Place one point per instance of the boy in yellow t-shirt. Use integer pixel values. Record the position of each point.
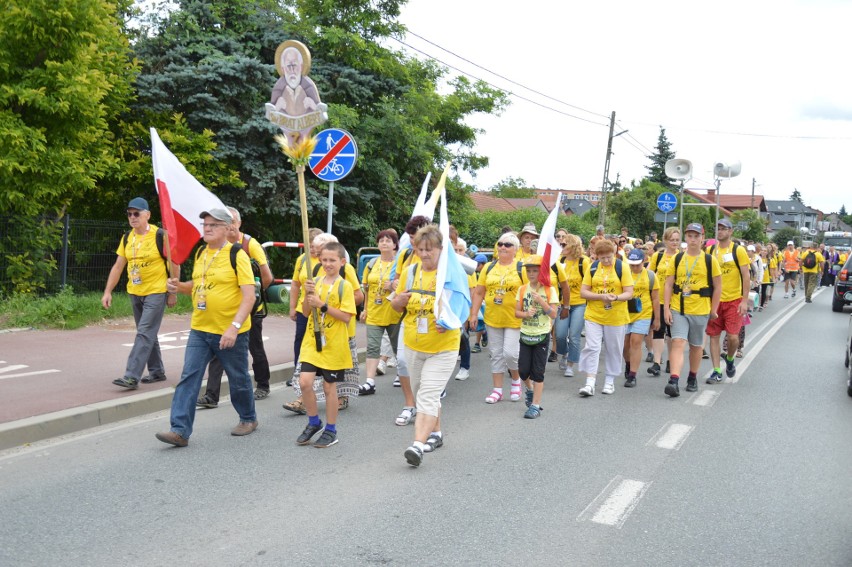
(326, 352)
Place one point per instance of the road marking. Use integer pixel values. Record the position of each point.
(673, 436)
(706, 398)
(622, 500)
(12, 367)
(34, 373)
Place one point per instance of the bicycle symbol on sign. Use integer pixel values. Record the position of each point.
(333, 167)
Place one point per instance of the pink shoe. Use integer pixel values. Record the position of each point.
(494, 397)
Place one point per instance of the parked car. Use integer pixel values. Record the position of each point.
(848, 298)
(842, 284)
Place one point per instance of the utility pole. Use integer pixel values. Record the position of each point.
(605, 181)
(753, 183)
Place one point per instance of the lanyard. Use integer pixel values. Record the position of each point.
(327, 296)
(423, 297)
(383, 267)
(133, 244)
(690, 270)
(207, 267)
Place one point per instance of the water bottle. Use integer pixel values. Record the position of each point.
(256, 291)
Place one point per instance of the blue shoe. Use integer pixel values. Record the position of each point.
(532, 412)
(528, 395)
(310, 431)
(730, 369)
(715, 378)
(476, 348)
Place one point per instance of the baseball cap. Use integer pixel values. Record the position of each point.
(636, 256)
(751, 248)
(138, 203)
(218, 214)
(534, 260)
(790, 243)
(480, 258)
(696, 227)
(726, 223)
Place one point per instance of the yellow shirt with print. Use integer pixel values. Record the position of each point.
(422, 336)
(606, 281)
(660, 262)
(767, 276)
(501, 287)
(379, 310)
(571, 268)
(142, 254)
(300, 274)
(641, 290)
(819, 260)
(732, 283)
(351, 276)
(214, 280)
(696, 266)
(335, 354)
(541, 323)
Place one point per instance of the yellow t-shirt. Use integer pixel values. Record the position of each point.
(255, 251)
(696, 267)
(471, 280)
(641, 290)
(501, 287)
(216, 287)
(541, 323)
(819, 260)
(606, 281)
(379, 310)
(336, 354)
(767, 275)
(146, 269)
(300, 274)
(575, 279)
(660, 262)
(423, 336)
(732, 283)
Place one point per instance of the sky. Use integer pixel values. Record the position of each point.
(763, 83)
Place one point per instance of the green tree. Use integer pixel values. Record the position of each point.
(662, 153)
(749, 225)
(512, 188)
(796, 196)
(782, 236)
(636, 208)
(842, 212)
(66, 75)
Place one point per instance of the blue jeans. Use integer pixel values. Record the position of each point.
(200, 349)
(568, 332)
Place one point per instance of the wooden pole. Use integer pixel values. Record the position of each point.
(303, 201)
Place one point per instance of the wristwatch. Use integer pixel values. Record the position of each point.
(237, 325)
(324, 307)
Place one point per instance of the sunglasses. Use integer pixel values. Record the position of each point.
(505, 244)
(133, 213)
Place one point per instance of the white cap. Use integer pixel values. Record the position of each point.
(790, 243)
(750, 248)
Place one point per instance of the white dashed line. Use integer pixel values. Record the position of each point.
(706, 398)
(622, 500)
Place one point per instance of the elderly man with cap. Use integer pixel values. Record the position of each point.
(736, 283)
(222, 290)
(143, 251)
(693, 289)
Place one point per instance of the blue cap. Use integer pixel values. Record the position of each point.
(480, 258)
(636, 256)
(138, 203)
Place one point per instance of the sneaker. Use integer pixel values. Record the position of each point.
(172, 438)
(414, 456)
(730, 369)
(261, 394)
(484, 341)
(608, 389)
(289, 383)
(207, 401)
(532, 412)
(528, 396)
(433, 443)
(704, 355)
(396, 383)
(310, 431)
(569, 372)
(244, 428)
(125, 382)
(391, 363)
(552, 356)
(587, 391)
(630, 382)
(654, 369)
(672, 390)
(476, 348)
(381, 368)
(715, 378)
(463, 374)
(327, 439)
(296, 406)
(691, 384)
(149, 379)
(650, 357)
(366, 389)
(786, 295)
(563, 362)
(794, 293)
(668, 367)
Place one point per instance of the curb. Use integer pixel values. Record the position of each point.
(40, 427)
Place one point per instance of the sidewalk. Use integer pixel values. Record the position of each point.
(58, 382)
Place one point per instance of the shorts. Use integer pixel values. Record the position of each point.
(639, 327)
(329, 376)
(729, 319)
(664, 331)
(689, 327)
(374, 339)
(790, 275)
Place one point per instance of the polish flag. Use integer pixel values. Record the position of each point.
(182, 200)
(548, 248)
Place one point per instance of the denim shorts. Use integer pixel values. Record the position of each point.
(639, 327)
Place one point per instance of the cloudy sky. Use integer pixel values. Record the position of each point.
(766, 83)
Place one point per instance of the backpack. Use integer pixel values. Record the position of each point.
(412, 270)
(160, 238)
(259, 309)
(810, 261)
(634, 305)
(519, 267)
(704, 291)
(736, 260)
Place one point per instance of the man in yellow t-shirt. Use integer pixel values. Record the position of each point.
(812, 263)
(142, 251)
(691, 298)
(222, 299)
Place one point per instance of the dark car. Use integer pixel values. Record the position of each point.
(842, 284)
(849, 350)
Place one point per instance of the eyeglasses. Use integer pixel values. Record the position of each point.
(212, 225)
(133, 213)
(505, 244)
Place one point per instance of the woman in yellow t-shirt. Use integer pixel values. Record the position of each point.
(430, 349)
(569, 325)
(497, 286)
(770, 272)
(659, 264)
(642, 318)
(607, 316)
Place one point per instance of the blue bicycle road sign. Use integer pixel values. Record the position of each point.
(335, 155)
(667, 202)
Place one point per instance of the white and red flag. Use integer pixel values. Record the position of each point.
(548, 248)
(182, 200)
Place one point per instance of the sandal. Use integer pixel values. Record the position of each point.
(396, 383)
(407, 416)
(494, 397)
(296, 406)
(739, 353)
(515, 392)
(433, 443)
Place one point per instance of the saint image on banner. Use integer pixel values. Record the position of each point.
(295, 104)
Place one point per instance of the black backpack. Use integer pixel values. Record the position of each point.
(809, 261)
(160, 237)
(704, 291)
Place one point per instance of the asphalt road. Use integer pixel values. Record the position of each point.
(752, 472)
